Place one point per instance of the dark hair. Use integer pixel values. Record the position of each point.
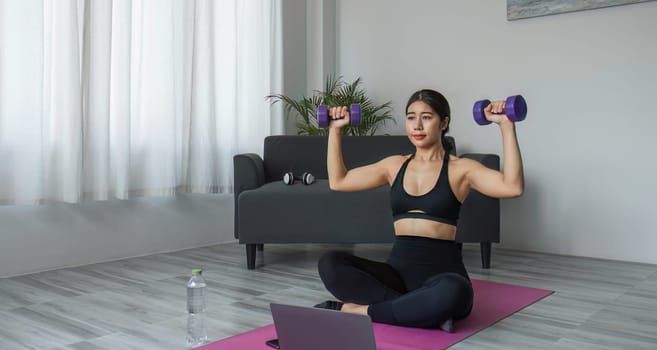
(438, 103)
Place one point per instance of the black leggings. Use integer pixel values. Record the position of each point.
(423, 283)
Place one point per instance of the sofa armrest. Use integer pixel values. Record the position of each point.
(248, 173)
(479, 219)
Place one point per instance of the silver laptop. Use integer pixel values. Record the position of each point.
(306, 328)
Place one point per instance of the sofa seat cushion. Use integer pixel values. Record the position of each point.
(279, 213)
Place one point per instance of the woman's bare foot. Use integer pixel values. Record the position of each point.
(355, 308)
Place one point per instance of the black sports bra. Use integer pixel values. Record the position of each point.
(439, 204)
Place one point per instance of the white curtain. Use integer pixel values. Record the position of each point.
(118, 98)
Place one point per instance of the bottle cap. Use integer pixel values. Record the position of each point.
(197, 272)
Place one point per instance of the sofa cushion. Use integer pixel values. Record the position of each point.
(308, 153)
(279, 213)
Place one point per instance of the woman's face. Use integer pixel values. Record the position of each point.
(423, 124)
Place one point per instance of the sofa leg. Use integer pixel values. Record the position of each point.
(261, 247)
(485, 254)
(250, 256)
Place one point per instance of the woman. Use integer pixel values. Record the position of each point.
(424, 282)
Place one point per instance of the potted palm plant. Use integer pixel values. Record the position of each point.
(337, 92)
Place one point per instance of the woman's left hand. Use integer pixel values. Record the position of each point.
(494, 112)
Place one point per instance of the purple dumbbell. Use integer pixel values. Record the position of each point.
(515, 108)
(323, 115)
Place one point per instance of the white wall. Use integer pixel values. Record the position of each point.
(309, 48)
(294, 52)
(37, 238)
(590, 79)
(320, 43)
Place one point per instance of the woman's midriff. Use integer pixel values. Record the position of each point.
(425, 228)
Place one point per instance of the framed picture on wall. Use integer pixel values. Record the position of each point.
(519, 9)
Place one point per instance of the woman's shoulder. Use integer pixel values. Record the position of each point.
(463, 165)
(396, 159)
(394, 162)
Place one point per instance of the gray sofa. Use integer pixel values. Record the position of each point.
(268, 211)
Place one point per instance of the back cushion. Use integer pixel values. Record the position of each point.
(300, 154)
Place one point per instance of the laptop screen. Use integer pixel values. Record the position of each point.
(305, 328)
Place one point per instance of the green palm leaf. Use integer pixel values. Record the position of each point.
(336, 92)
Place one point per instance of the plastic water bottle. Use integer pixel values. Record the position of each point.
(196, 334)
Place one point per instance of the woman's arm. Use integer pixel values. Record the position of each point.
(357, 179)
(510, 182)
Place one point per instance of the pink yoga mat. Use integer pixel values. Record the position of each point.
(492, 302)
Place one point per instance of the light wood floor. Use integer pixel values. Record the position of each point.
(140, 303)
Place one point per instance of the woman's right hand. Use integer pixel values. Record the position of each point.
(339, 117)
